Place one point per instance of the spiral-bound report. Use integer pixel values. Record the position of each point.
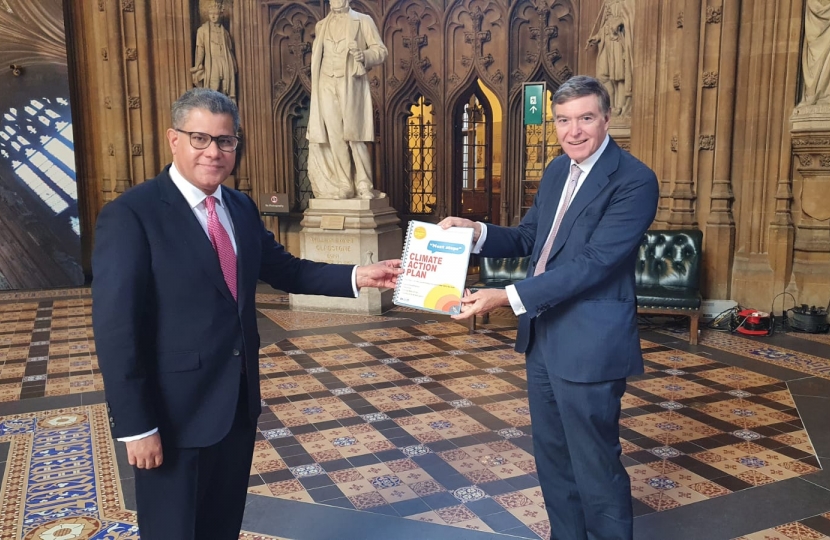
(434, 264)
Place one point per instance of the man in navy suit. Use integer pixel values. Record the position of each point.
(175, 266)
(577, 311)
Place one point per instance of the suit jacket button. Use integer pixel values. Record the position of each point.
(236, 352)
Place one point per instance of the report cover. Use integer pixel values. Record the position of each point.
(434, 264)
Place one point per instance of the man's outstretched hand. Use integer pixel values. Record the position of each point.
(383, 274)
(481, 302)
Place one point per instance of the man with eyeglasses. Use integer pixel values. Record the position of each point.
(175, 269)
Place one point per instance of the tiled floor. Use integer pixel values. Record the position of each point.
(395, 417)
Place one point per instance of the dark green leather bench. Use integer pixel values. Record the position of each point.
(668, 275)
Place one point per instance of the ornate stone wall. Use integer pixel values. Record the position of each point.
(713, 91)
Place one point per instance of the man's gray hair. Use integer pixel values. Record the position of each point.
(205, 99)
(581, 86)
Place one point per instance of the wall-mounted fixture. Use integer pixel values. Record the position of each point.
(17, 71)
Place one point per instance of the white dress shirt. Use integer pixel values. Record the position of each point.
(586, 166)
(195, 197)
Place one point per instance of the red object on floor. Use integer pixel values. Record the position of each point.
(752, 322)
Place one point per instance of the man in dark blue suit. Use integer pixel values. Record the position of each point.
(175, 267)
(577, 311)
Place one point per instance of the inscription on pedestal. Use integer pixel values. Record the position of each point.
(332, 248)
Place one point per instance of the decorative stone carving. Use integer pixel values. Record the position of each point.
(134, 102)
(799, 142)
(435, 80)
(824, 160)
(131, 54)
(214, 66)
(393, 82)
(805, 159)
(710, 79)
(105, 55)
(713, 14)
(101, 5)
(565, 73)
(128, 5)
(680, 20)
(675, 81)
(611, 35)
(136, 149)
(518, 76)
(707, 142)
(674, 143)
(107, 102)
(815, 65)
(110, 150)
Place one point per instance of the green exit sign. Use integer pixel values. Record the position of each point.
(534, 110)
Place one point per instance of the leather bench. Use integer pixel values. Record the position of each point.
(668, 275)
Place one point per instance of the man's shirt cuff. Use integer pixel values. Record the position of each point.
(354, 282)
(478, 245)
(515, 301)
(137, 437)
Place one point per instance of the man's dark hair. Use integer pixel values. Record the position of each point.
(205, 99)
(581, 86)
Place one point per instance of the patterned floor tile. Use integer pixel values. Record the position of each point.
(764, 352)
(299, 320)
(389, 416)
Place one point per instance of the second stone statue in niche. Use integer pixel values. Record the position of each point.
(346, 45)
(215, 65)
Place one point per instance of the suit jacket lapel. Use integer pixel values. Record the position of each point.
(596, 181)
(189, 232)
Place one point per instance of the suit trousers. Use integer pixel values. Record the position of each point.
(199, 493)
(576, 444)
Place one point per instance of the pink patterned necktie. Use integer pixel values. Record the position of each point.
(222, 244)
(569, 192)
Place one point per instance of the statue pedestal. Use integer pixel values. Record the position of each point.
(349, 231)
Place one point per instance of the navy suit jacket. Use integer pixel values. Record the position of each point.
(170, 338)
(584, 304)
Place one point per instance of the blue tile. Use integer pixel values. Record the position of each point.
(499, 487)
(325, 494)
(427, 460)
(441, 446)
(390, 455)
(440, 500)
(521, 532)
(384, 509)
(410, 507)
(296, 461)
(502, 521)
(524, 481)
(342, 502)
(336, 465)
(318, 481)
(362, 461)
(485, 507)
(452, 481)
(438, 470)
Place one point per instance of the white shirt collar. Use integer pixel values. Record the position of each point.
(192, 194)
(589, 162)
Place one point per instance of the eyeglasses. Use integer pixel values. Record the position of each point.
(200, 141)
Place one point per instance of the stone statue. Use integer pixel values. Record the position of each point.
(612, 37)
(215, 65)
(816, 55)
(346, 45)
